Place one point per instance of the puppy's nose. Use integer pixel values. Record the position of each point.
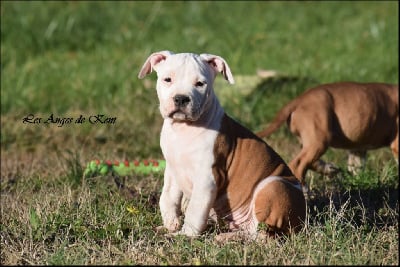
(181, 101)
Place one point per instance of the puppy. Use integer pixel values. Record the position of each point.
(220, 166)
(346, 115)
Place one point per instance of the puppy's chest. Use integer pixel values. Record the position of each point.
(189, 153)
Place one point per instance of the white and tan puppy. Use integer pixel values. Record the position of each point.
(345, 115)
(220, 166)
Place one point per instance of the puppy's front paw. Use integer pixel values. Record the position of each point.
(168, 228)
(179, 233)
(188, 231)
(172, 225)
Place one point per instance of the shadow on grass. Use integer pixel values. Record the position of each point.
(290, 86)
(267, 97)
(370, 207)
(370, 198)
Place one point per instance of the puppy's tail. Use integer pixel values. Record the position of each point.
(282, 116)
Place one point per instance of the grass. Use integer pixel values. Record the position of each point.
(82, 58)
(90, 224)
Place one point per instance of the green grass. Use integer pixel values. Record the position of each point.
(82, 58)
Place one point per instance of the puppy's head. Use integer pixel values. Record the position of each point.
(185, 82)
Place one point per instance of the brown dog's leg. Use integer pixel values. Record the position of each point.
(304, 160)
(311, 125)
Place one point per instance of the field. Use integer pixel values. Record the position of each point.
(65, 60)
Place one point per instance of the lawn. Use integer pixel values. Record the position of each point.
(65, 60)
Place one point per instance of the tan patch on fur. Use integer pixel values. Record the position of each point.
(242, 160)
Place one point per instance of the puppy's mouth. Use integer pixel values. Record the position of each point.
(181, 115)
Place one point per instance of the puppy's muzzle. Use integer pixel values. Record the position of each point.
(182, 108)
(181, 101)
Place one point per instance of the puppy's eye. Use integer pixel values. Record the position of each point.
(199, 84)
(167, 80)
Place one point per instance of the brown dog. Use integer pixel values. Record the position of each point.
(346, 115)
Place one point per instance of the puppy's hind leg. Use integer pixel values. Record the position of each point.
(281, 206)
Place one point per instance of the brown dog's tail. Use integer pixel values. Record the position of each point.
(282, 116)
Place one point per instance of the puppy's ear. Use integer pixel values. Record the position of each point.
(219, 65)
(153, 60)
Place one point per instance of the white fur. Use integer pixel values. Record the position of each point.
(188, 151)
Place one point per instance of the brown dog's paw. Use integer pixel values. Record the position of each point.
(325, 168)
(331, 170)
